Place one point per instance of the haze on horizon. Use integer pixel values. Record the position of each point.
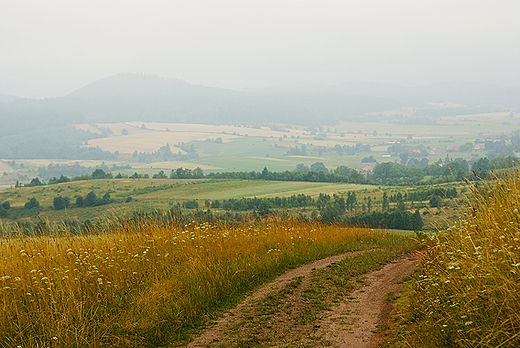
(50, 48)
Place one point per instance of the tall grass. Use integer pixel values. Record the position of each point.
(148, 284)
(467, 292)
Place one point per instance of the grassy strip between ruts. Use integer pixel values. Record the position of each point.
(151, 284)
(467, 291)
(292, 314)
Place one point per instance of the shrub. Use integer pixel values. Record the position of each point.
(60, 203)
(33, 203)
(192, 204)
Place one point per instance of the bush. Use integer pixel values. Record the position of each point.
(193, 204)
(60, 203)
(91, 199)
(33, 203)
(80, 201)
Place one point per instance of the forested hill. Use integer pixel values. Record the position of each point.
(4, 98)
(148, 98)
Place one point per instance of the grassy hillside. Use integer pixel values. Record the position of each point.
(149, 194)
(151, 283)
(130, 195)
(466, 293)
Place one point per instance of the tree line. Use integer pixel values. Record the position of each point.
(387, 173)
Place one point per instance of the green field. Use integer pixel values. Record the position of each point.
(261, 148)
(150, 194)
(131, 195)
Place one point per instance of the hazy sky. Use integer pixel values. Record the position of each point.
(50, 48)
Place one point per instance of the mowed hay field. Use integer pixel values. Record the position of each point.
(148, 137)
(151, 282)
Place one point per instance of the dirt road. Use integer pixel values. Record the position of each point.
(350, 323)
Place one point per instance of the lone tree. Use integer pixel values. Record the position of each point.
(435, 201)
(106, 199)
(99, 174)
(80, 201)
(159, 175)
(385, 205)
(35, 182)
(417, 221)
(91, 199)
(318, 167)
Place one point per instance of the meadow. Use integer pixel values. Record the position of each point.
(153, 282)
(467, 291)
(150, 194)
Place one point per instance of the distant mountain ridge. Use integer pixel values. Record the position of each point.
(4, 98)
(138, 97)
(129, 84)
(149, 98)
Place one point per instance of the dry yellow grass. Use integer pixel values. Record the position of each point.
(467, 292)
(145, 283)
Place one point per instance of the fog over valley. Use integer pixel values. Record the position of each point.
(243, 85)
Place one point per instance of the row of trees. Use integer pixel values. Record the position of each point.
(398, 219)
(60, 203)
(90, 200)
(451, 170)
(96, 174)
(427, 193)
(332, 209)
(263, 204)
(384, 173)
(53, 171)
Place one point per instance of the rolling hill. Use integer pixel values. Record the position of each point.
(148, 98)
